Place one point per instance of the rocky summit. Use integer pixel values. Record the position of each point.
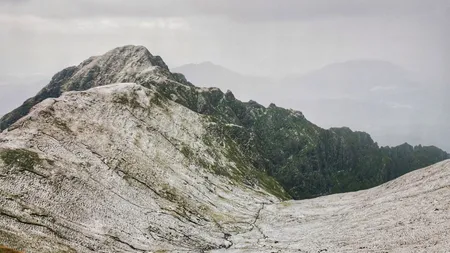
(118, 154)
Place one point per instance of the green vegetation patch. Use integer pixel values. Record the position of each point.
(272, 186)
(21, 158)
(187, 152)
(128, 100)
(158, 99)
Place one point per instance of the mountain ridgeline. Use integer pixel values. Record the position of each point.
(306, 160)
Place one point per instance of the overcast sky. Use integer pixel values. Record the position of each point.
(251, 36)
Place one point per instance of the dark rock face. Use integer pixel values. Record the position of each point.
(307, 160)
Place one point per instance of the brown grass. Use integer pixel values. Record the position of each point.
(4, 249)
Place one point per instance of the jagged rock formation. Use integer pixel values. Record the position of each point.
(159, 165)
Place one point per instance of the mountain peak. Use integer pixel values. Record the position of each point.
(126, 57)
(129, 48)
(130, 52)
(207, 63)
(120, 65)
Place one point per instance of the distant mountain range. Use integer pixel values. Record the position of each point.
(207, 74)
(366, 79)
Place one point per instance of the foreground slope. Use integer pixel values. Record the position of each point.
(409, 214)
(115, 169)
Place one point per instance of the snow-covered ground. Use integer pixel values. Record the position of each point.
(409, 214)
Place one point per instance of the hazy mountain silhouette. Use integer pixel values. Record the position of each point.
(208, 74)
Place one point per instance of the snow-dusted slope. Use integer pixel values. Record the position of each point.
(112, 170)
(409, 214)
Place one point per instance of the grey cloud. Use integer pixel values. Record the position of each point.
(249, 10)
(13, 1)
